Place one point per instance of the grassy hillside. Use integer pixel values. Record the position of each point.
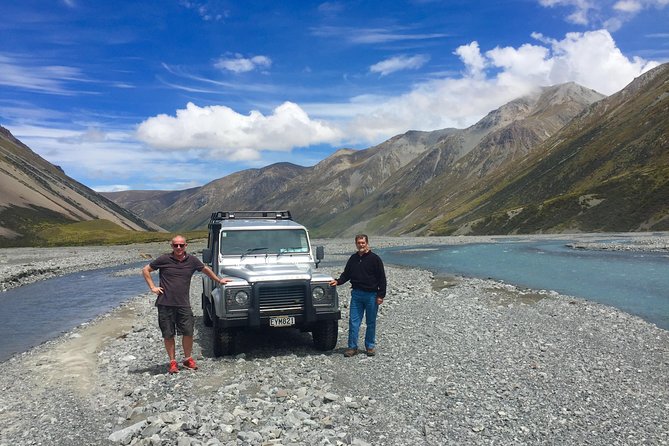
(58, 232)
(608, 170)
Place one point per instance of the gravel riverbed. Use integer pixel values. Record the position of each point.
(460, 361)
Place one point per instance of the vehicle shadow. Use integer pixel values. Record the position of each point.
(156, 369)
(262, 343)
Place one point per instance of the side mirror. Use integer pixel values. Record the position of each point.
(320, 254)
(206, 255)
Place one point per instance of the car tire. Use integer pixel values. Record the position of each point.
(223, 340)
(206, 318)
(324, 335)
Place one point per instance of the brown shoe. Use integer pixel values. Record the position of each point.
(350, 352)
(371, 352)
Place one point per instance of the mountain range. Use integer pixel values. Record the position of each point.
(37, 194)
(561, 159)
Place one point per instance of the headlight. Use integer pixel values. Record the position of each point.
(237, 299)
(318, 294)
(242, 298)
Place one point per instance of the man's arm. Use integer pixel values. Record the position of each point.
(381, 272)
(343, 277)
(209, 273)
(146, 272)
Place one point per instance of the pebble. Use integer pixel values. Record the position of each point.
(454, 366)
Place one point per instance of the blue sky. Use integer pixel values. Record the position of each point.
(172, 94)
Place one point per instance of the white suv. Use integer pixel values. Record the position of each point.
(274, 279)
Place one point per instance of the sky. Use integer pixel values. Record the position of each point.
(172, 94)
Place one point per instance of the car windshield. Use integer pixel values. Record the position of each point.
(259, 241)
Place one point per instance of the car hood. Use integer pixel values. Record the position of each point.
(274, 272)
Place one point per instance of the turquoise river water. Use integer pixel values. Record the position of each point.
(636, 282)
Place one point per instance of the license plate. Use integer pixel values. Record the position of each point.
(281, 321)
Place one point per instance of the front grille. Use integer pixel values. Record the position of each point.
(281, 297)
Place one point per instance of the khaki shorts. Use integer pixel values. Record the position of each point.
(175, 320)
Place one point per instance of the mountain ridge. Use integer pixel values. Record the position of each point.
(337, 195)
(35, 191)
(563, 158)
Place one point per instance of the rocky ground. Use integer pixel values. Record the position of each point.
(460, 361)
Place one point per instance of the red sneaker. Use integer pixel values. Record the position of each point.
(174, 368)
(189, 363)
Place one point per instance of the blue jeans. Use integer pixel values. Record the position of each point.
(362, 302)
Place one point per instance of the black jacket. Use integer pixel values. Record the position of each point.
(366, 273)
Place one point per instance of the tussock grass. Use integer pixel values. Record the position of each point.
(93, 232)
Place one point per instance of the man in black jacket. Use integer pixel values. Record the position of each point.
(368, 289)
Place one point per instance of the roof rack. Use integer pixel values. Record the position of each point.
(257, 215)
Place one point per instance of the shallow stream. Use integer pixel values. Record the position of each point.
(633, 281)
(34, 313)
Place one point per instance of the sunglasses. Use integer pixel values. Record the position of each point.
(178, 245)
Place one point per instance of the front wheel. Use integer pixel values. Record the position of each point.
(325, 335)
(223, 340)
(206, 318)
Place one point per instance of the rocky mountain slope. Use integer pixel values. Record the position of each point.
(607, 170)
(344, 192)
(191, 209)
(442, 175)
(563, 158)
(35, 191)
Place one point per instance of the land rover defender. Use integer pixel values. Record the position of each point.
(275, 280)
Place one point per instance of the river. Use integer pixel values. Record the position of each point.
(636, 282)
(633, 281)
(37, 312)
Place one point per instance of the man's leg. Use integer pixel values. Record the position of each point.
(355, 312)
(167, 324)
(171, 349)
(187, 343)
(371, 310)
(185, 326)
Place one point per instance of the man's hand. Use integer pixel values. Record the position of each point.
(379, 300)
(223, 281)
(157, 290)
(333, 283)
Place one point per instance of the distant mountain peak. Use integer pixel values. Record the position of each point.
(482, 179)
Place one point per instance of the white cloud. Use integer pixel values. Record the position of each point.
(239, 64)
(495, 77)
(632, 6)
(489, 80)
(367, 36)
(113, 188)
(24, 74)
(226, 133)
(208, 11)
(399, 63)
(607, 13)
(119, 158)
(471, 57)
(592, 59)
(331, 8)
(581, 9)
(180, 150)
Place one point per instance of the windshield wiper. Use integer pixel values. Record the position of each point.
(252, 250)
(290, 250)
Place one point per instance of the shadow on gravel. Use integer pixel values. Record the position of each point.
(157, 369)
(262, 343)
